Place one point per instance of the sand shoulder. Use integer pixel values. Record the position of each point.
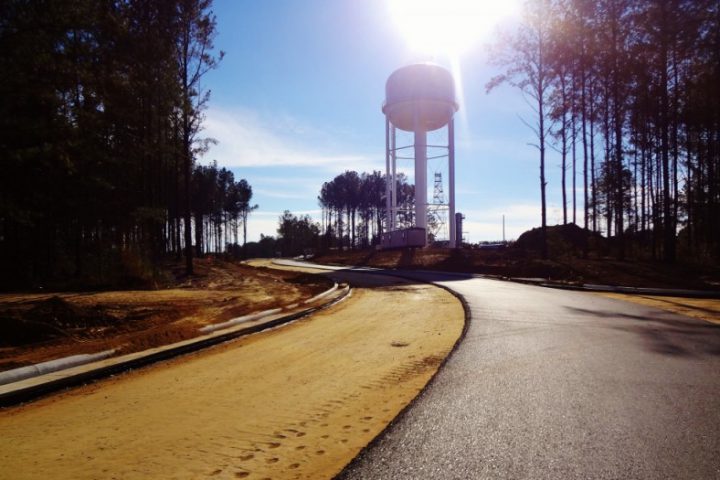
(297, 402)
(707, 309)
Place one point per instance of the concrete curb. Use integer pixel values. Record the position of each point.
(306, 264)
(235, 321)
(265, 313)
(663, 292)
(321, 295)
(31, 388)
(21, 373)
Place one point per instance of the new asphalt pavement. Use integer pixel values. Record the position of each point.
(560, 384)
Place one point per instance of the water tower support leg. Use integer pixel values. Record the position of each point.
(393, 160)
(388, 179)
(451, 180)
(421, 180)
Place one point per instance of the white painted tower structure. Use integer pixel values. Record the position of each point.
(419, 98)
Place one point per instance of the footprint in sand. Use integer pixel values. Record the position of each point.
(247, 457)
(274, 444)
(294, 465)
(300, 434)
(272, 460)
(300, 447)
(320, 452)
(242, 474)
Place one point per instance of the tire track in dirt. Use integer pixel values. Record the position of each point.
(297, 402)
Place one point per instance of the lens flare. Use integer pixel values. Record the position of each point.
(448, 27)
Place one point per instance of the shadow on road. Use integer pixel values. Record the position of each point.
(665, 333)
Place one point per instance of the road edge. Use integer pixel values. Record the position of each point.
(381, 435)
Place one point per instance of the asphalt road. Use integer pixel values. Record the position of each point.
(561, 384)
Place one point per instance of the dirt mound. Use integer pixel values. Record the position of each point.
(562, 239)
(35, 327)
(60, 313)
(48, 319)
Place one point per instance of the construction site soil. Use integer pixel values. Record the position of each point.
(36, 327)
(297, 402)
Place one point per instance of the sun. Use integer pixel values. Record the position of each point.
(448, 27)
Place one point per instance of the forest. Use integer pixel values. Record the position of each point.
(628, 93)
(102, 104)
(353, 208)
(101, 109)
(353, 216)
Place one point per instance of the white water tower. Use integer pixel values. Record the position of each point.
(419, 98)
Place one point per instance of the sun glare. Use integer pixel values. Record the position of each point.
(448, 27)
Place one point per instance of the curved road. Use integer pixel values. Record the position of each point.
(560, 384)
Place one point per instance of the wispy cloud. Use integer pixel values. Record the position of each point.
(299, 195)
(248, 139)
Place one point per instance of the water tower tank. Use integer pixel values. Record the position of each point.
(420, 97)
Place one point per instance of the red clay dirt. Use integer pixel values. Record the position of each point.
(36, 327)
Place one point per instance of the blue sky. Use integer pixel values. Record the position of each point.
(297, 100)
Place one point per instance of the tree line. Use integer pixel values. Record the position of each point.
(353, 216)
(221, 205)
(297, 235)
(628, 93)
(101, 105)
(353, 208)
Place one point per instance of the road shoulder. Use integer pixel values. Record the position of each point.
(296, 402)
(707, 309)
